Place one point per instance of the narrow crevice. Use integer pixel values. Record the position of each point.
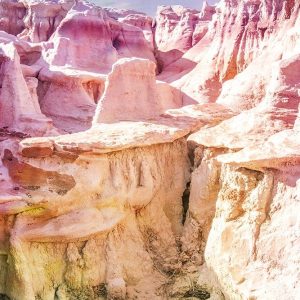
(185, 202)
(56, 294)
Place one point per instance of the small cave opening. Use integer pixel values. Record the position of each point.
(116, 43)
(185, 202)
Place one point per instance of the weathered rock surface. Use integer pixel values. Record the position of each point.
(19, 107)
(242, 34)
(113, 223)
(132, 80)
(112, 187)
(70, 48)
(238, 199)
(178, 29)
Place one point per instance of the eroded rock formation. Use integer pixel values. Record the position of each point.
(116, 183)
(178, 29)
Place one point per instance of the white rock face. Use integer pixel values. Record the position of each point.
(243, 209)
(246, 247)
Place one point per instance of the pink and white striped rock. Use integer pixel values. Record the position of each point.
(178, 29)
(112, 186)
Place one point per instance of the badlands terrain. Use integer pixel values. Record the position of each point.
(149, 158)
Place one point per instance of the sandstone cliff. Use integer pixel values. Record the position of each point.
(149, 158)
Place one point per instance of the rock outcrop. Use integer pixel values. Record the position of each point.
(241, 35)
(105, 227)
(132, 80)
(116, 183)
(108, 216)
(19, 107)
(178, 29)
(70, 48)
(239, 199)
(42, 18)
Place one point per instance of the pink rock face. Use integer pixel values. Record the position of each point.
(77, 41)
(81, 43)
(19, 107)
(12, 14)
(136, 19)
(149, 159)
(33, 20)
(133, 79)
(88, 33)
(28, 53)
(42, 18)
(178, 29)
(240, 32)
